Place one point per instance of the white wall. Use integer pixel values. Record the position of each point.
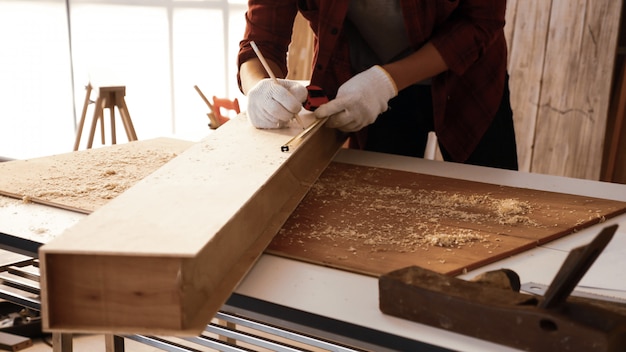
(158, 49)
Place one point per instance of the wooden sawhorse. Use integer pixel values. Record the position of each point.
(109, 97)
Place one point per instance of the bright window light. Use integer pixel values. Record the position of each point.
(35, 79)
(158, 49)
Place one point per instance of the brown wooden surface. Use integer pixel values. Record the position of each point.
(561, 60)
(526, 58)
(373, 221)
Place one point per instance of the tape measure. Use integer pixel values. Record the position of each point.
(315, 98)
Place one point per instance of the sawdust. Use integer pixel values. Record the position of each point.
(403, 218)
(457, 239)
(40, 230)
(374, 220)
(512, 211)
(89, 183)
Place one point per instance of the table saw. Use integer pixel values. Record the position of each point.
(342, 305)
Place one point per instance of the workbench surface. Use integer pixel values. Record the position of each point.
(353, 298)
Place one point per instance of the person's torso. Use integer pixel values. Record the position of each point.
(377, 32)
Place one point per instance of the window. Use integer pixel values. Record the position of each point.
(158, 49)
(36, 113)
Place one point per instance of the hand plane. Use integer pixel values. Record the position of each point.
(554, 322)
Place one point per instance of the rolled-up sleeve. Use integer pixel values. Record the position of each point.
(269, 23)
(465, 36)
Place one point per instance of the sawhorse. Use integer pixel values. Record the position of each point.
(109, 97)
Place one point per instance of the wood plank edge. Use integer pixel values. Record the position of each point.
(200, 295)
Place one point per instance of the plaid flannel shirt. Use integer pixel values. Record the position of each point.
(468, 34)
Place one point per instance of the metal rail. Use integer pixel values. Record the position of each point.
(19, 284)
(233, 333)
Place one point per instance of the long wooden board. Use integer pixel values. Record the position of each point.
(162, 257)
(375, 220)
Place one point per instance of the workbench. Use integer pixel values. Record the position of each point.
(341, 305)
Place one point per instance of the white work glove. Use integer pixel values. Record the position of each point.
(360, 100)
(271, 104)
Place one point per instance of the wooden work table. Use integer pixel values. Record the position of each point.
(354, 298)
(351, 300)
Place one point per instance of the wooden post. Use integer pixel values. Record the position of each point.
(81, 123)
(62, 342)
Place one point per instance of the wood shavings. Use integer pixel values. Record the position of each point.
(457, 239)
(402, 219)
(372, 212)
(39, 230)
(92, 179)
(512, 211)
(509, 206)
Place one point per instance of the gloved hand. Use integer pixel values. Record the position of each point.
(271, 104)
(360, 100)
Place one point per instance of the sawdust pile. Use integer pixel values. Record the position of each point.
(402, 218)
(457, 239)
(88, 183)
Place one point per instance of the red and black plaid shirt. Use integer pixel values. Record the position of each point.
(467, 33)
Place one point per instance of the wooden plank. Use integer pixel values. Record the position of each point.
(374, 220)
(526, 31)
(162, 257)
(574, 100)
(12, 342)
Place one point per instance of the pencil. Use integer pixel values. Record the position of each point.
(271, 74)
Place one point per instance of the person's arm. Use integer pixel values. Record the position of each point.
(422, 64)
(269, 23)
(464, 38)
(455, 46)
(252, 71)
(271, 103)
(361, 99)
